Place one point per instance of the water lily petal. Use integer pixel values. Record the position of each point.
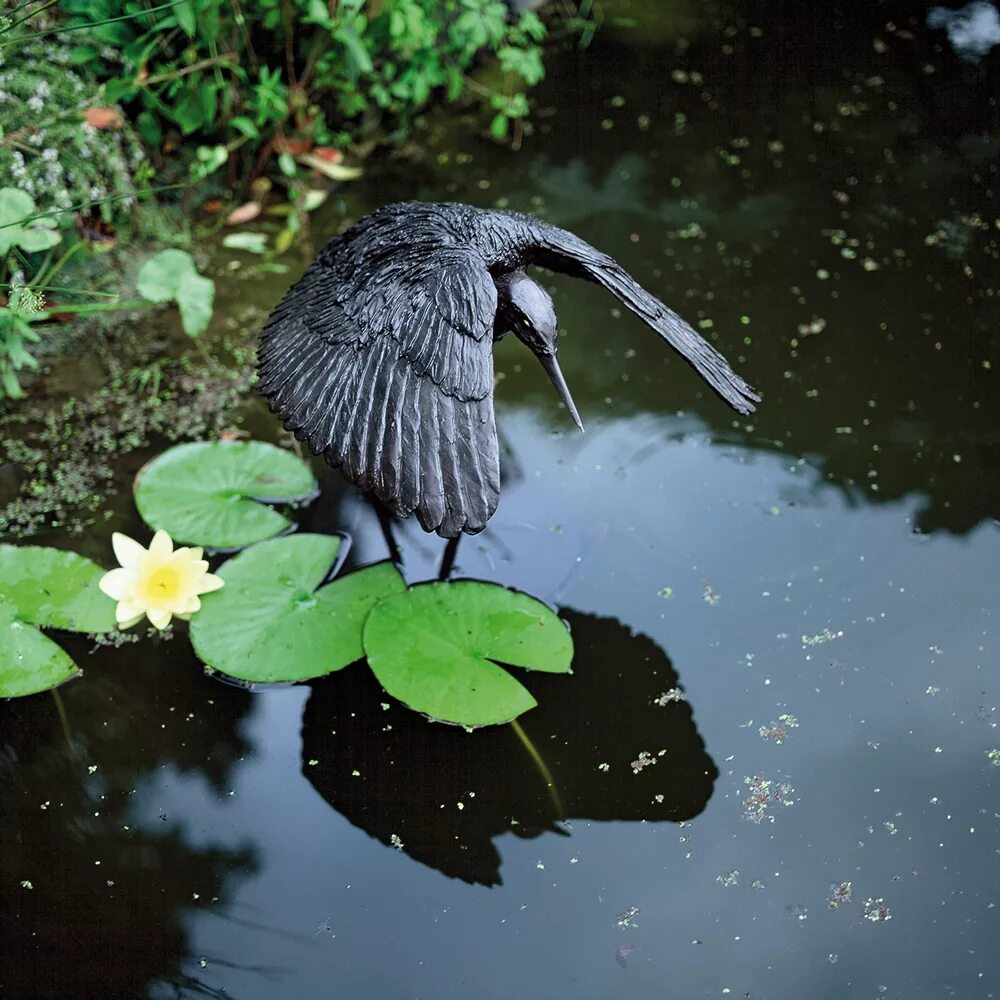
(161, 546)
(127, 614)
(158, 617)
(190, 606)
(116, 583)
(210, 582)
(127, 550)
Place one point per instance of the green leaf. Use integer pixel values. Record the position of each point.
(246, 126)
(55, 589)
(171, 276)
(160, 277)
(250, 242)
(214, 493)
(11, 386)
(436, 647)
(38, 237)
(42, 586)
(80, 54)
(360, 60)
(16, 209)
(195, 297)
(29, 662)
(184, 12)
(149, 128)
(270, 623)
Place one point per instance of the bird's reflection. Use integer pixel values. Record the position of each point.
(616, 742)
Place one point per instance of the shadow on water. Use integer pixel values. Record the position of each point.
(442, 795)
(90, 890)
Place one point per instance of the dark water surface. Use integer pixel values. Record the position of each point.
(819, 582)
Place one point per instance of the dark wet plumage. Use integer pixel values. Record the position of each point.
(381, 356)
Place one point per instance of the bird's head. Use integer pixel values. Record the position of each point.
(531, 316)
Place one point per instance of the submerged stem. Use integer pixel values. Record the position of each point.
(64, 722)
(542, 768)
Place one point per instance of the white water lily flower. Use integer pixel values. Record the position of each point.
(158, 582)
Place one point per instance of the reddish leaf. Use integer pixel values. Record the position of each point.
(245, 213)
(292, 146)
(329, 153)
(107, 118)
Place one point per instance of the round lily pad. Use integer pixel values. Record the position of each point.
(215, 493)
(273, 620)
(54, 589)
(51, 588)
(437, 647)
(29, 662)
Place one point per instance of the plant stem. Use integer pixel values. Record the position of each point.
(28, 17)
(90, 204)
(84, 308)
(64, 722)
(226, 57)
(47, 273)
(542, 769)
(92, 24)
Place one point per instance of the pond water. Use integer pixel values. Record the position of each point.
(775, 770)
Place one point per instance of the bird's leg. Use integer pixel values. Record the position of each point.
(448, 559)
(385, 523)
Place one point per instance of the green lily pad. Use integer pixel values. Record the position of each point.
(29, 662)
(47, 587)
(54, 589)
(274, 622)
(171, 276)
(214, 493)
(437, 647)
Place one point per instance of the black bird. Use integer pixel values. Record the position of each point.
(381, 356)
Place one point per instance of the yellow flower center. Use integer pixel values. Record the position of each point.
(162, 587)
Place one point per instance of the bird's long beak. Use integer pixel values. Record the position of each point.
(551, 366)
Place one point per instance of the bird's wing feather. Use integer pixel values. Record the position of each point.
(383, 361)
(562, 251)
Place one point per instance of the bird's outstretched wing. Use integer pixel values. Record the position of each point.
(561, 251)
(381, 358)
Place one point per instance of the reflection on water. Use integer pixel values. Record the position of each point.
(817, 191)
(619, 743)
(90, 892)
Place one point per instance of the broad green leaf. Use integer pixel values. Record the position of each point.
(39, 236)
(160, 277)
(54, 589)
(16, 209)
(49, 587)
(270, 623)
(29, 662)
(214, 493)
(171, 276)
(437, 647)
(195, 297)
(250, 242)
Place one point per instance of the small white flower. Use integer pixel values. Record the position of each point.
(158, 582)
